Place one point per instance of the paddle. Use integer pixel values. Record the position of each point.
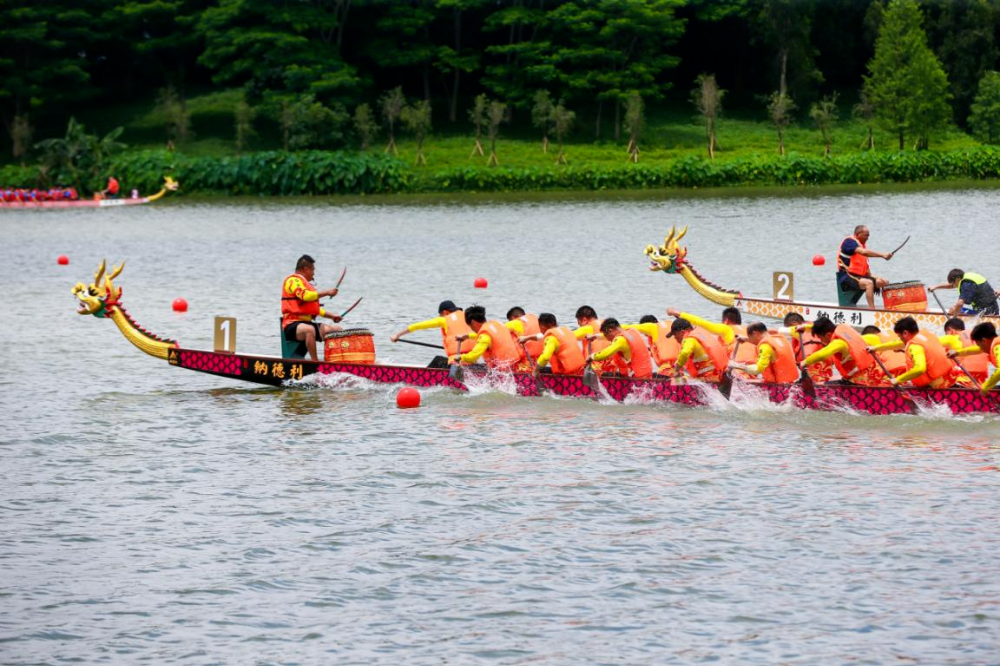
(940, 304)
(337, 286)
(807, 383)
(993, 398)
(539, 384)
(893, 253)
(344, 313)
(903, 392)
(457, 372)
(421, 344)
(590, 378)
(726, 384)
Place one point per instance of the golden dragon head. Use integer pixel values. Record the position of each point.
(170, 184)
(101, 296)
(670, 256)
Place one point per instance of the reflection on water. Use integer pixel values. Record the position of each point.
(152, 514)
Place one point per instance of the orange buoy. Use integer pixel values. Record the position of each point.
(819, 260)
(408, 398)
(63, 260)
(180, 305)
(480, 283)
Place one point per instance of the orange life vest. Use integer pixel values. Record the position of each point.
(859, 360)
(783, 368)
(454, 325)
(938, 363)
(640, 362)
(718, 358)
(530, 324)
(976, 364)
(502, 354)
(597, 344)
(858, 264)
(809, 343)
(568, 359)
(294, 308)
(746, 353)
(665, 349)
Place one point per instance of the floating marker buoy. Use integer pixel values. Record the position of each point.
(819, 260)
(180, 305)
(480, 283)
(63, 260)
(408, 398)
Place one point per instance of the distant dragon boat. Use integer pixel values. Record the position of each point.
(169, 185)
(102, 299)
(672, 259)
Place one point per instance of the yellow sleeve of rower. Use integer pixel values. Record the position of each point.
(919, 360)
(483, 343)
(583, 332)
(722, 330)
(835, 347)
(296, 287)
(515, 325)
(951, 342)
(650, 330)
(894, 344)
(550, 348)
(992, 381)
(437, 322)
(619, 344)
(765, 356)
(970, 351)
(690, 347)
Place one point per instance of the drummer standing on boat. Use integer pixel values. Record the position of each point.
(300, 307)
(853, 272)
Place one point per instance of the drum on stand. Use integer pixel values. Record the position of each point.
(352, 345)
(905, 296)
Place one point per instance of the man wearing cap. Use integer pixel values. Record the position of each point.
(452, 324)
(300, 307)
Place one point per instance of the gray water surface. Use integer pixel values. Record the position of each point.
(154, 515)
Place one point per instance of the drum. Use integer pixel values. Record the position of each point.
(352, 345)
(905, 296)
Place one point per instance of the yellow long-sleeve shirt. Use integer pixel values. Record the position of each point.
(437, 322)
(483, 342)
(691, 348)
(765, 356)
(584, 331)
(295, 286)
(993, 379)
(835, 347)
(618, 346)
(724, 331)
(550, 348)
(650, 330)
(918, 359)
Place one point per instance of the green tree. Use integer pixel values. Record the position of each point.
(785, 26)
(562, 123)
(707, 98)
(780, 108)
(171, 108)
(43, 61)
(635, 121)
(477, 114)
(541, 116)
(286, 47)
(243, 117)
(824, 113)
(496, 113)
(906, 83)
(518, 63)
(365, 125)
(605, 50)
(392, 104)
(402, 40)
(306, 123)
(417, 119)
(985, 116)
(455, 58)
(864, 110)
(79, 158)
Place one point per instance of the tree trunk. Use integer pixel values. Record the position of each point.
(618, 120)
(902, 141)
(597, 125)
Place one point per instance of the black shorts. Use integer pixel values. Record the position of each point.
(290, 329)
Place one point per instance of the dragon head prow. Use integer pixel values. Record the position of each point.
(99, 297)
(670, 256)
(170, 184)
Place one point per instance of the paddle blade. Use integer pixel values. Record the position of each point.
(807, 384)
(457, 373)
(590, 379)
(726, 385)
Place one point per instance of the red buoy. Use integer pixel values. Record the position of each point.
(408, 398)
(63, 260)
(180, 305)
(819, 260)
(480, 283)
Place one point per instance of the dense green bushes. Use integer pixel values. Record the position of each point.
(321, 173)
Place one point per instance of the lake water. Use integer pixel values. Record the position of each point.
(154, 515)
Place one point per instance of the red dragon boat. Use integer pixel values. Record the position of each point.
(102, 299)
(169, 185)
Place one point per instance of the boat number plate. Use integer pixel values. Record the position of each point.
(225, 334)
(784, 286)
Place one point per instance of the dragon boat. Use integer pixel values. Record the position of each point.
(672, 259)
(102, 299)
(169, 185)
